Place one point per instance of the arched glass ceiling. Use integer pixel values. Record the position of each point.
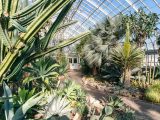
(90, 12)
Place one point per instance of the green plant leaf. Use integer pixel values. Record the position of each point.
(56, 24)
(108, 110)
(58, 46)
(4, 38)
(18, 26)
(19, 115)
(8, 104)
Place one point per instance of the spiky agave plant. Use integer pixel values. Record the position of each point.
(22, 110)
(128, 57)
(19, 27)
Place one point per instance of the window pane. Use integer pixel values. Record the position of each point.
(70, 60)
(75, 60)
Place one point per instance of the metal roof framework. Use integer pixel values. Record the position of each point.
(91, 12)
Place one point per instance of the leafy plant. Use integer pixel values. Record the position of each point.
(74, 94)
(23, 95)
(63, 63)
(116, 109)
(42, 71)
(111, 72)
(19, 28)
(58, 107)
(103, 38)
(21, 111)
(127, 57)
(142, 25)
(152, 92)
(85, 69)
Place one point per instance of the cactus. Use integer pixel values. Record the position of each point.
(19, 27)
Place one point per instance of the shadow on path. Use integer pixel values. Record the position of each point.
(144, 110)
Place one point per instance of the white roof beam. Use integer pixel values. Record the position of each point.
(156, 3)
(145, 5)
(132, 5)
(86, 17)
(89, 10)
(82, 26)
(95, 5)
(113, 5)
(109, 9)
(121, 3)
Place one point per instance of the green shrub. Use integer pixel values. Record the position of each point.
(153, 93)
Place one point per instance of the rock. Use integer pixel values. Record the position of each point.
(117, 92)
(125, 93)
(38, 116)
(62, 78)
(92, 102)
(77, 117)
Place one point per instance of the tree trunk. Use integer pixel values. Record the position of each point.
(127, 77)
(94, 70)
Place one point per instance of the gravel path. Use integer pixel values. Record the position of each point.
(144, 110)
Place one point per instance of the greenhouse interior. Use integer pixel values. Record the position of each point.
(79, 59)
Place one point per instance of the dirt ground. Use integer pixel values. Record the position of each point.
(144, 110)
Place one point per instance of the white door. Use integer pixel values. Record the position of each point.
(73, 63)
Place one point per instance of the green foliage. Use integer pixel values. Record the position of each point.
(63, 62)
(8, 104)
(19, 30)
(74, 94)
(21, 111)
(152, 93)
(142, 25)
(106, 35)
(157, 72)
(142, 84)
(111, 72)
(80, 46)
(85, 69)
(42, 71)
(56, 107)
(127, 57)
(23, 95)
(116, 109)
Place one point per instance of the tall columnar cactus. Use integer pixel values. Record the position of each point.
(19, 27)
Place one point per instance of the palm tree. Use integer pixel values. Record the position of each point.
(97, 49)
(128, 57)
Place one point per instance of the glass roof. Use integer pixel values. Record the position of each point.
(90, 12)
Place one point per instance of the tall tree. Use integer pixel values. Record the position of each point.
(128, 57)
(106, 35)
(142, 25)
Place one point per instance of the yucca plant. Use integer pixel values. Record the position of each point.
(19, 26)
(127, 57)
